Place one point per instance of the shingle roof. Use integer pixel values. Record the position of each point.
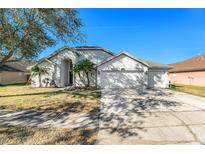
(80, 48)
(8, 68)
(189, 65)
(20, 66)
(156, 65)
(149, 63)
(75, 50)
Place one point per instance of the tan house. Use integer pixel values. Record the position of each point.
(14, 73)
(188, 72)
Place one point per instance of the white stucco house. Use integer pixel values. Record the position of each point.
(111, 71)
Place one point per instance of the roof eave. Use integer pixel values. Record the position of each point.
(167, 68)
(53, 54)
(123, 53)
(191, 70)
(99, 48)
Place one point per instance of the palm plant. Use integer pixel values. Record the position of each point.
(85, 66)
(37, 71)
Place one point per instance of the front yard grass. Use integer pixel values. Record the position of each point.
(25, 97)
(195, 90)
(44, 136)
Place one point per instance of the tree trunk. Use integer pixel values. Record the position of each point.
(88, 80)
(39, 77)
(5, 59)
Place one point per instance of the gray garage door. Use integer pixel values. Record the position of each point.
(122, 79)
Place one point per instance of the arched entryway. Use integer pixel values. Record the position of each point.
(66, 73)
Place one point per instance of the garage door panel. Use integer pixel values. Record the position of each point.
(122, 79)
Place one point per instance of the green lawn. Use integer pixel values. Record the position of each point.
(23, 97)
(195, 90)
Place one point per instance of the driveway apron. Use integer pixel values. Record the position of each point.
(151, 117)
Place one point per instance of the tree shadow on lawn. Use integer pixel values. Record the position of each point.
(46, 136)
(14, 131)
(93, 94)
(84, 94)
(65, 106)
(82, 137)
(37, 117)
(46, 93)
(124, 117)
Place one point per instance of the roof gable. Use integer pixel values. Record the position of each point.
(86, 48)
(54, 54)
(147, 63)
(9, 68)
(20, 66)
(74, 50)
(119, 55)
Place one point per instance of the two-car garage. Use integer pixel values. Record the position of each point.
(125, 71)
(122, 79)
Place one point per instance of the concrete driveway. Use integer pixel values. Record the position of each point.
(151, 117)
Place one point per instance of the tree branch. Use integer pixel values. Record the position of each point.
(11, 52)
(15, 60)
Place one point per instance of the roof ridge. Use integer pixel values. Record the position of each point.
(88, 46)
(150, 63)
(74, 49)
(93, 47)
(132, 56)
(144, 62)
(190, 59)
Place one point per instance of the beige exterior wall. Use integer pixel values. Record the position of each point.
(12, 78)
(188, 78)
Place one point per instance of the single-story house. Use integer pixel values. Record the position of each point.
(14, 73)
(110, 71)
(188, 72)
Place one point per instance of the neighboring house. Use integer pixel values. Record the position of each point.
(14, 73)
(111, 71)
(188, 72)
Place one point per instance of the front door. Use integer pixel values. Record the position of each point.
(71, 73)
(70, 77)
